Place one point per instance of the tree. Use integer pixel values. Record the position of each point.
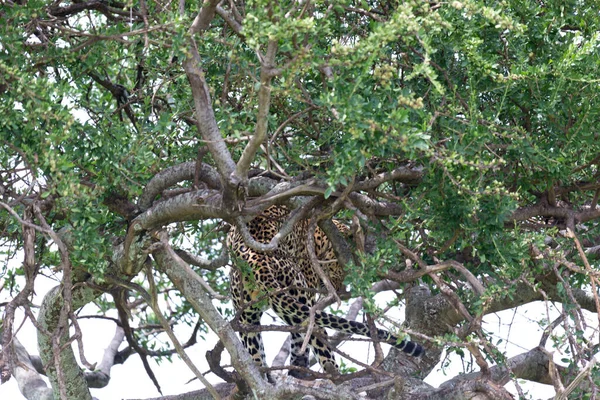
(457, 140)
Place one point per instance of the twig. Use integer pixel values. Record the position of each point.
(554, 374)
(573, 385)
(588, 268)
(152, 301)
(7, 356)
(549, 329)
(429, 269)
(285, 229)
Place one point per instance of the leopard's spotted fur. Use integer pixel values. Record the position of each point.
(258, 275)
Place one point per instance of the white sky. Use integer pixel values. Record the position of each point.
(518, 330)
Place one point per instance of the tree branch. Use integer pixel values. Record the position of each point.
(31, 384)
(173, 175)
(62, 360)
(286, 228)
(101, 376)
(543, 209)
(264, 102)
(231, 22)
(187, 281)
(199, 204)
(531, 366)
(205, 117)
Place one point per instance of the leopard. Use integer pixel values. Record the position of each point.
(286, 281)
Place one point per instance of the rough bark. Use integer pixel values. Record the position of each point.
(31, 385)
(187, 282)
(70, 374)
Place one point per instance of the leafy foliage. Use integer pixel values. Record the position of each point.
(492, 107)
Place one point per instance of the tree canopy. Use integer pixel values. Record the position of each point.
(457, 140)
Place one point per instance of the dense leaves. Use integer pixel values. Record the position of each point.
(460, 136)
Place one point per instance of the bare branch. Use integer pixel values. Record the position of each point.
(198, 204)
(198, 261)
(52, 352)
(204, 17)
(545, 210)
(532, 366)
(231, 22)
(186, 280)
(403, 174)
(7, 360)
(173, 175)
(31, 384)
(264, 102)
(100, 377)
(103, 7)
(410, 275)
(205, 117)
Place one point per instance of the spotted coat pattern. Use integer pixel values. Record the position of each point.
(278, 279)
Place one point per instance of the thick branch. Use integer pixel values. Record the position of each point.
(173, 175)
(187, 281)
(50, 320)
(101, 376)
(228, 18)
(31, 384)
(223, 389)
(204, 17)
(543, 209)
(341, 248)
(531, 366)
(100, 6)
(403, 174)
(199, 204)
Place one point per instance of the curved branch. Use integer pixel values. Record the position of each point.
(31, 384)
(404, 174)
(286, 228)
(202, 262)
(56, 351)
(199, 204)
(173, 175)
(101, 376)
(31, 271)
(543, 209)
(269, 191)
(409, 275)
(100, 6)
